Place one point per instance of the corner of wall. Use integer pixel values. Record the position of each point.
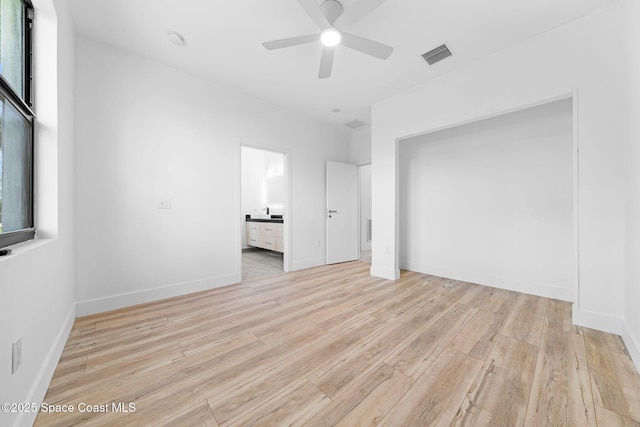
(599, 321)
(385, 273)
(44, 376)
(633, 345)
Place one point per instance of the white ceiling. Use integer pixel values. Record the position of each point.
(223, 43)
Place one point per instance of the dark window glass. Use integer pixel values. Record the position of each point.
(16, 124)
(12, 44)
(15, 169)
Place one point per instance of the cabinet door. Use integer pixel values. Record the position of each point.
(278, 231)
(253, 234)
(268, 229)
(279, 244)
(266, 235)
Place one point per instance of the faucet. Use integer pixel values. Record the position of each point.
(266, 210)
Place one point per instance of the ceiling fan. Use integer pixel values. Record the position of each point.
(326, 15)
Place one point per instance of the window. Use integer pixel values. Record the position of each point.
(16, 123)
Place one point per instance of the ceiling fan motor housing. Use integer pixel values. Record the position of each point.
(332, 9)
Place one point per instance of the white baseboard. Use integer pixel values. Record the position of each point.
(599, 321)
(43, 379)
(633, 345)
(308, 263)
(526, 287)
(98, 305)
(385, 273)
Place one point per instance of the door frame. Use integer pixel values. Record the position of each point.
(238, 205)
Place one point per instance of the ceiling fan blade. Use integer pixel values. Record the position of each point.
(357, 11)
(367, 46)
(313, 10)
(291, 41)
(326, 62)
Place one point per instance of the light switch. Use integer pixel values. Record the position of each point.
(164, 203)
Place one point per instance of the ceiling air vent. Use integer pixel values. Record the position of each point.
(437, 54)
(354, 124)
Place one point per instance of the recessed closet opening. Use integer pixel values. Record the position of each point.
(492, 201)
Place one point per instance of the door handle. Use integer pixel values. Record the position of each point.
(330, 211)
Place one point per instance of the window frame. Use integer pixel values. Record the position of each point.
(24, 107)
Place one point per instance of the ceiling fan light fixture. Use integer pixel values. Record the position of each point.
(330, 37)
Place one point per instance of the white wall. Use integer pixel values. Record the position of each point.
(491, 202)
(275, 196)
(360, 147)
(146, 131)
(252, 185)
(36, 281)
(631, 333)
(253, 181)
(545, 67)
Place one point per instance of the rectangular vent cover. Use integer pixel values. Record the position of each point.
(437, 54)
(354, 124)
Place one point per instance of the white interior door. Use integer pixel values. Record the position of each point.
(342, 212)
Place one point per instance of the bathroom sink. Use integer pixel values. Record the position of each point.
(261, 216)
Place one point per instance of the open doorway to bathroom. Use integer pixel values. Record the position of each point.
(263, 200)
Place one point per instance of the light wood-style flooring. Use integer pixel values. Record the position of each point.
(333, 346)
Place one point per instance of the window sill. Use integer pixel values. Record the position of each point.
(25, 247)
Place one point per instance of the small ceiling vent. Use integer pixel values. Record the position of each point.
(437, 54)
(354, 124)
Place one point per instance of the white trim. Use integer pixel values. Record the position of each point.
(599, 321)
(239, 244)
(385, 273)
(633, 344)
(98, 305)
(43, 378)
(288, 213)
(576, 202)
(308, 263)
(516, 285)
(494, 114)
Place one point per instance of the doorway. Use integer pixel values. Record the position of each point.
(264, 200)
(364, 173)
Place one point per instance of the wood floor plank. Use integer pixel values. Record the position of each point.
(608, 418)
(561, 391)
(238, 399)
(527, 319)
(434, 398)
(294, 406)
(415, 358)
(478, 335)
(332, 345)
(615, 382)
(373, 408)
(362, 358)
(341, 408)
(197, 415)
(501, 390)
